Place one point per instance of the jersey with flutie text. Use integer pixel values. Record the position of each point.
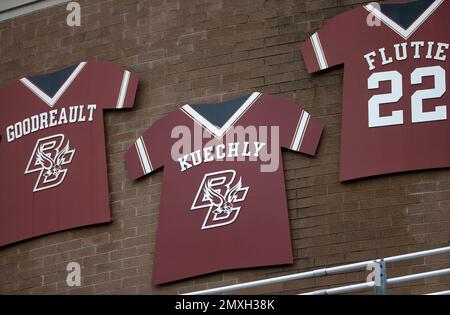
(396, 75)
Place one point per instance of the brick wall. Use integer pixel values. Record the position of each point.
(197, 51)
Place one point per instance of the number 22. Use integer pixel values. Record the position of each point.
(417, 113)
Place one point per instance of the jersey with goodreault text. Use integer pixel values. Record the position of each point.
(223, 203)
(52, 149)
(396, 75)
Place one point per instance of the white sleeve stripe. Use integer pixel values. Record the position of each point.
(139, 156)
(143, 156)
(304, 133)
(296, 129)
(299, 134)
(123, 89)
(146, 153)
(317, 45)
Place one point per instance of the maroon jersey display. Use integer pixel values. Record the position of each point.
(52, 149)
(223, 203)
(395, 107)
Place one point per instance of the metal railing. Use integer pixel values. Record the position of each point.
(379, 284)
(440, 293)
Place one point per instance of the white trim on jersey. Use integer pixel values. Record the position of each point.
(51, 101)
(300, 131)
(123, 89)
(318, 50)
(219, 132)
(399, 29)
(141, 150)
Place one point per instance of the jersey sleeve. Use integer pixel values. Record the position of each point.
(327, 47)
(117, 85)
(299, 131)
(147, 154)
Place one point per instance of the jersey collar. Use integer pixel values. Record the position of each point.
(51, 100)
(220, 131)
(405, 33)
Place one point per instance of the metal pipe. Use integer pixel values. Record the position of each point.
(240, 286)
(367, 285)
(431, 252)
(297, 276)
(419, 276)
(440, 293)
(320, 272)
(345, 289)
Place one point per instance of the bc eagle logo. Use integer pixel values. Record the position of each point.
(49, 156)
(221, 194)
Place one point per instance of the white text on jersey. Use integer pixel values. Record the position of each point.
(55, 117)
(220, 152)
(239, 144)
(404, 51)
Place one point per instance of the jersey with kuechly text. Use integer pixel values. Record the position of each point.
(223, 204)
(52, 149)
(396, 99)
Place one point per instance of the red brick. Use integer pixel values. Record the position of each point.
(210, 51)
